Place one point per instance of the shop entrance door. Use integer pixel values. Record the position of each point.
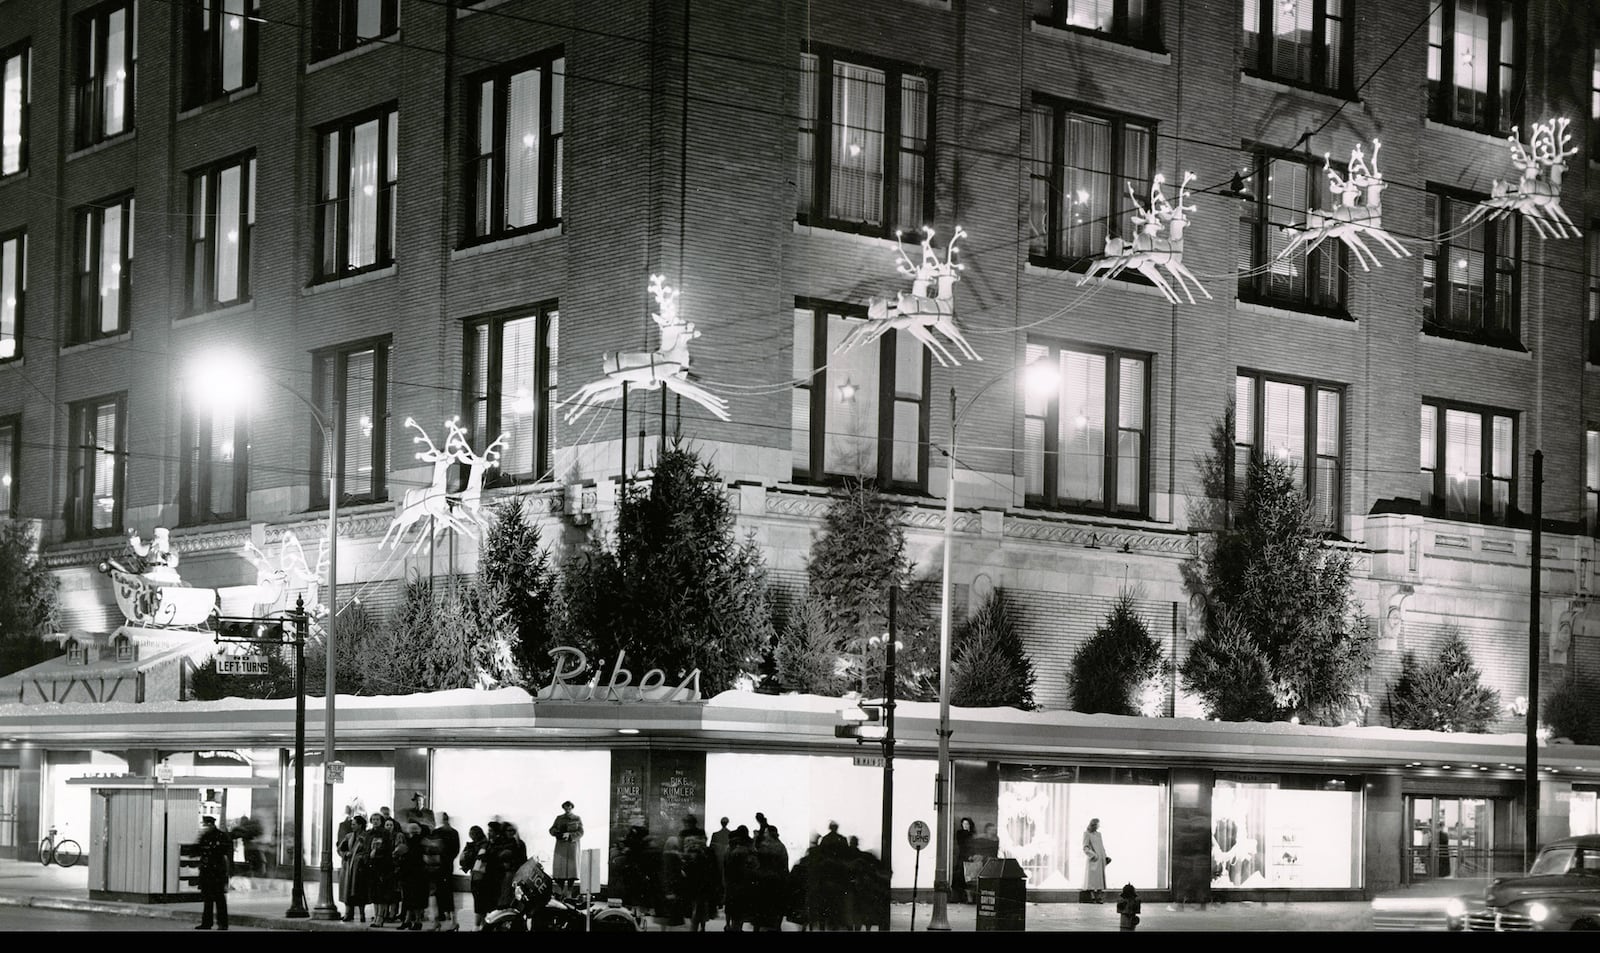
(1450, 837)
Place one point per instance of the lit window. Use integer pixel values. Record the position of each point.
(1301, 42)
(1300, 424)
(515, 165)
(356, 194)
(107, 52)
(214, 470)
(1127, 21)
(511, 387)
(1083, 166)
(1470, 279)
(13, 292)
(219, 48)
(865, 152)
(105, 270)
(10, 460)
(341, 25)
(1310, 281)
(222, 215)
(1468, 463)
(1084, 446)
(1475, 63)
(357, 379)
(860, 413)
(96, 461)
(1591, 482)
(15, 79)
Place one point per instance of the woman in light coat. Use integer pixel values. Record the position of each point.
(1095, 859)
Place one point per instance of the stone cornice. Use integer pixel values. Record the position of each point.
(1093, 535)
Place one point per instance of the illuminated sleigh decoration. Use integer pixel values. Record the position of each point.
(1359, 213)
(1150, 250)
(667, 366)
(1536, 196)
(929, 307)
(148, 590)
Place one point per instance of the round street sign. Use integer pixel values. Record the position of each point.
(918, 834)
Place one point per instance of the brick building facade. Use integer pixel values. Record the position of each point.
(432, 209)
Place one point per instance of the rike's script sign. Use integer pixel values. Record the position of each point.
(572, 664)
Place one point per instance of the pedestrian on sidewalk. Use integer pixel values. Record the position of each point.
(355, 850)
(216, 861)
(1095, 861)
(447, 841)
(567, 829)
(1128, 907)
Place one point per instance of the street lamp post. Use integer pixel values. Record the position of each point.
(221, 374)
(1040, 376)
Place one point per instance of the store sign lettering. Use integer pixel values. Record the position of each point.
(571, 664)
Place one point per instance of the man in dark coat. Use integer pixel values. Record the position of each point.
(216, 857)
(448, 842)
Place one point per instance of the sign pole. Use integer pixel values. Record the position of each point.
(918, 836)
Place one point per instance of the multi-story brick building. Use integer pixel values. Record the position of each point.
(426, 209)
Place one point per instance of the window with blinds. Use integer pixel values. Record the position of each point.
(865, 145)
(1591, 482)
(10, 459)
(1085, 446)
(219, 48)
(107, 50)
(13, 291)
(1083, 166)
(213, 472)
(860, 413)
(104, 301)
(355, 379)
(15, 80)
(222, 217)
(96, 459)
(1592, 241)
(358, 168)
(1305, 43)
(1475, 63)
(1301, 423)
(1304, 281)
(1471, 276)
(1135, 22)
(515, 164)
(1468, 462)
(511, 391)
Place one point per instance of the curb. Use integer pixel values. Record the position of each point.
(152, 912)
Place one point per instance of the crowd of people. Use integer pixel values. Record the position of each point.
(405, 867)
(687, 878)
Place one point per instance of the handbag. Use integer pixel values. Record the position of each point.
(1108, 862)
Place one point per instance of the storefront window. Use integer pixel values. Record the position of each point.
(477, 785)
(1044, 811)
(800, 794)
(250, 814)
(1285, 831)
(1583, 811)
(66, 806)
(368, 783)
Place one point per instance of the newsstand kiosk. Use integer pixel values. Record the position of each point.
(140, 833)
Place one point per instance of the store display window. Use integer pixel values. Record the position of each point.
(1044, 811)
(1270, 830)
(1583, 810)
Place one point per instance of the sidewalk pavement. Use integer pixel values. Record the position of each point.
(263, 903)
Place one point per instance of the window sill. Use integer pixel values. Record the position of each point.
(1473, 136)
(215, 315)
(331, 284)
(500, 244)
(1036, 509)
(1279, 311)
(122, 338)
(223, 100)
(19, 176)
(1139, 287)
(866, 241)
(1086, 38)
(1506, 350)
(351, 54)
(935, 4)
(102, 145)
(479, 6)
(13, 363)
(1270, 84)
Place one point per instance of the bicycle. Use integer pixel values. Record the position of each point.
(65, 852)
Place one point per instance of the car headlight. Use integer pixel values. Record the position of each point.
(1538, 912)
(1454, 908)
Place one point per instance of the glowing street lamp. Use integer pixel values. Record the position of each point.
(1040, 377)
(219, 381)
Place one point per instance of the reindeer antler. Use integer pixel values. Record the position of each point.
(666, 299)
(432, 453)
(1183, 190)
(1548, 149)
(950, 249)
(1519, 155)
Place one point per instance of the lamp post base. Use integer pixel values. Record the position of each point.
(297, 904)
(940, 920)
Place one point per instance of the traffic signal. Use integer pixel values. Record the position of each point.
(259, 630)
(864, 723)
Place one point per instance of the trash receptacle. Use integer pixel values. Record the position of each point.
(1002, 896)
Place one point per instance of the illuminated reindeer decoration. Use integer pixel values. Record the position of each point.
(649, 370)
(1537, 195)
(1149, 249)
(275, 580)
(929, 307)
(466, 505)
(434, 500)
(1358, 213)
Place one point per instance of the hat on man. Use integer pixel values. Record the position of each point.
(566, 805)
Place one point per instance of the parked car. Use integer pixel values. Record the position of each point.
(1560, 892)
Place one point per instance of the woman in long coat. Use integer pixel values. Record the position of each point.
(1094, 867)
(483, 891)
(380, 857)
(356, 884)
(413, 876)
(568, 832)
